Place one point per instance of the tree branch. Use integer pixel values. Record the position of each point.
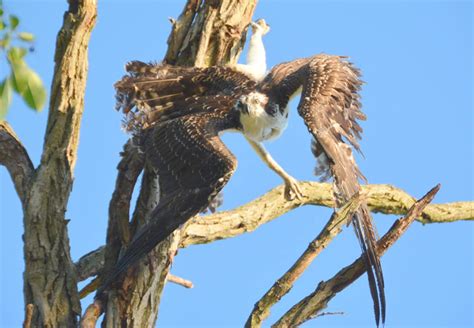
(179, 281)
(283, 285)
(91, 315)
(50, 281)
(227, 224)
(380, 198)
(90, 264)
(180, 29)
(118, 232)
(318, 300)
(15, 158)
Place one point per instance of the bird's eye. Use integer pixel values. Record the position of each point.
(243, 107)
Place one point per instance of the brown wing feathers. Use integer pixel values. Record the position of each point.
(154, 94)
(330, 108)
(150, 92)
(192, 165)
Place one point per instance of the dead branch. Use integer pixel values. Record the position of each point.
(179, 281)
(283, 285)
(15, 158)
(91, 315)
(90, 264)
(380, 198)
(326, 290)
(180, 29)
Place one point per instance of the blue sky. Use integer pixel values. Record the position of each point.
(416, 57)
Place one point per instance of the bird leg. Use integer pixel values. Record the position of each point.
(292, 189)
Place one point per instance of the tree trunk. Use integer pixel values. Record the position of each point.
(206, 33)
(50, 282)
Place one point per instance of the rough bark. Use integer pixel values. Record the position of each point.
(209, 32)
(15, 158)
(206, 33)
(50, 281)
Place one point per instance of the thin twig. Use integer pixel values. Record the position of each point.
(179, 281)
(283, 285)
(318, 300)
(322, 314)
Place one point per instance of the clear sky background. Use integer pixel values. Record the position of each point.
(417, 60)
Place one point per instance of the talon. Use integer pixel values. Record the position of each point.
(292, 189)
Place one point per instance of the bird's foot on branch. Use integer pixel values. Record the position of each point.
(292, 189)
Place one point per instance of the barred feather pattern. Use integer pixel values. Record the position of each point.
(152, 93)
(153, 96)
(331, 109)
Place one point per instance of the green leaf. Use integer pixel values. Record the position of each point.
(25, 36)
(5, 42)
(14, 21)
(2, 25)
(16, 54)
(19, 76)
(35, 93)
(5, 97)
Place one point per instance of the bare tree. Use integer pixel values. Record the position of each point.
(206, 33)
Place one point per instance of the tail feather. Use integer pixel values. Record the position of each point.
(144, 241)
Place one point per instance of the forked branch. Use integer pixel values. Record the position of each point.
(314, 303)
(283, 285)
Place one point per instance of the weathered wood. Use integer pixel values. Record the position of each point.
(50, 281)
(384, 199)
(16, 159)
(282, 286)
(310, 306)
(216, 35)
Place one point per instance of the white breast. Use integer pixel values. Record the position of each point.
(257, 124)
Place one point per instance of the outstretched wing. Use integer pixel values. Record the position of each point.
(150, 93)
(330, 108)
(192, 165)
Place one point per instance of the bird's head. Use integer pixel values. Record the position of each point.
(251, 104)
(260, 27)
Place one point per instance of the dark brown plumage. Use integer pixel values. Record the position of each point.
(180, 111)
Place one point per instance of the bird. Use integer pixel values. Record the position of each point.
(256, 63)
(179, 113)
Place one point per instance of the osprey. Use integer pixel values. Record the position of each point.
(180, 112)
